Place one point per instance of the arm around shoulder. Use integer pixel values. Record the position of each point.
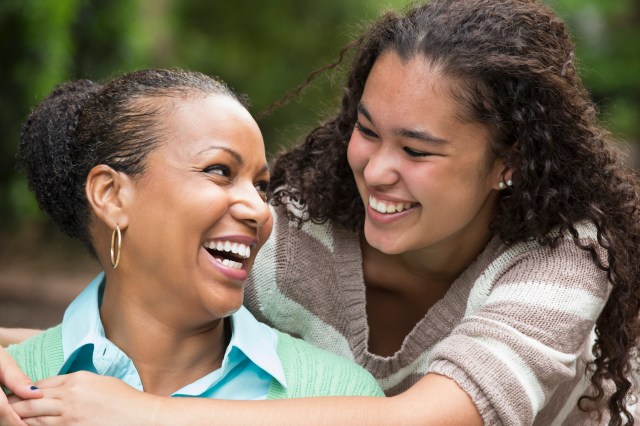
(11, 336)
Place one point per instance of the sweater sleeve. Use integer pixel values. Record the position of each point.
(41, 356)
(311, 371)
(526, 333)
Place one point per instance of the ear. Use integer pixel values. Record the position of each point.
(107, 192)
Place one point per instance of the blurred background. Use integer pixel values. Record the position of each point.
(261, 48)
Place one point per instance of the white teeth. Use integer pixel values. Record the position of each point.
(387, 206)
(242, 250)
(373, 202)
(231, 263)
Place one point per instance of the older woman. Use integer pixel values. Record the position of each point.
(162, 174)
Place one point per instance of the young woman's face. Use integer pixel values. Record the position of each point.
(198, 215)
(424, 175)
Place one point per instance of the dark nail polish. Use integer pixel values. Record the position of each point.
(34, 388)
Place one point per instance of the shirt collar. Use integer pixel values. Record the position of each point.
(256, 341)
(82, 328)
(81, 324)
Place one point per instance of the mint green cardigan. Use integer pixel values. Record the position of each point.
(309, 371)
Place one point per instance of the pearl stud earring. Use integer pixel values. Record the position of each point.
(503, 185)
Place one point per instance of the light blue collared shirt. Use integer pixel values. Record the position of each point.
(249, 365)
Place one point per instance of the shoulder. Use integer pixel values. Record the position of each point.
(529, 279)
(568, 267)
(529, 318)
(40, 356)
(311, 371)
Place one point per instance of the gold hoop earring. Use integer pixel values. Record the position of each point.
(115, 249)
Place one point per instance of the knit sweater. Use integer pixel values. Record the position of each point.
(514, 330)
(308, 370)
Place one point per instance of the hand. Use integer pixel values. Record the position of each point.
(17, 382)
(87, 399)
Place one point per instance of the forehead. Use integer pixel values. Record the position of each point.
(409, 90)
(190, 127)
(404, 96)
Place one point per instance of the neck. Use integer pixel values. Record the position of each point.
(400, 289)
(167, 357)
(414, 273)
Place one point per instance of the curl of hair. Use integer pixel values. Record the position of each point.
(44, 152)
(82, 124)
(512, 65)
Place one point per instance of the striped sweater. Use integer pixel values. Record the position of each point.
(514, 331)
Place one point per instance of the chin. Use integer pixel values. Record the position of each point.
(229, 307)
(386, 247)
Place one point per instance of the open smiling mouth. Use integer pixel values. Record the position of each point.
(230, 253)
(388, 207)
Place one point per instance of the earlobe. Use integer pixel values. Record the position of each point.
(502, 175)
(506, 179)
(105, 188)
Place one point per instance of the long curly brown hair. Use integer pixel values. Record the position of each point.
(514, 61)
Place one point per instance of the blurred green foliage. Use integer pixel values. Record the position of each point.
(260, 48)
(607, 36)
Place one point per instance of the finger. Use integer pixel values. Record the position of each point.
(54, 381)
(29, 408)
(12, 398)
(44, 421)
(8, 417)
(14, 379)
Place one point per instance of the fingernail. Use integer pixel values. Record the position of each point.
(34, 388)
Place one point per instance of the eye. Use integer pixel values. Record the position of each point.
(262, 188)
(365, 131)
(218, 169)
(414, 153)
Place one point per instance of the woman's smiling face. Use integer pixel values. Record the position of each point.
(425, 176)
(198, 214)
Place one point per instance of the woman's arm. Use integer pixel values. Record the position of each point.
(86, 399)
(16, 382)
(10, 336)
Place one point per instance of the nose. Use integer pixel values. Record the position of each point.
(249, 206)
(381, 168)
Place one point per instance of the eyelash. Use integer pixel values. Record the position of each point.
(218, 167)
(414, 153)
(365, 131)
(369, 133)
(261, 186)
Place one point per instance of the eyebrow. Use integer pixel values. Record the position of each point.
(236, 156)
(228, 150)
(421, 135)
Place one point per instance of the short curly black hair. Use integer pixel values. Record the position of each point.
(514, 62)
(82, 124)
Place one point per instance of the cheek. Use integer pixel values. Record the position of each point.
(357, 155)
